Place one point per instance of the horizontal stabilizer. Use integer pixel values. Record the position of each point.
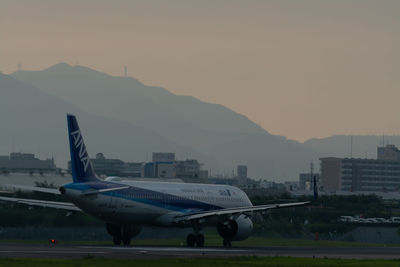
(43, 203)
(34, 188)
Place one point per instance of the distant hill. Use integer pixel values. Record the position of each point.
(34, 121)
(224, 137)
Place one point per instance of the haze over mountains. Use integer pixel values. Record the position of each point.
(126, 119)
(34, 121)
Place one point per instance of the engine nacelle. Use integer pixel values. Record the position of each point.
(236, 229)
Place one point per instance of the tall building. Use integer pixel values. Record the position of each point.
(242, 174)
(331, 173)
(355, 174)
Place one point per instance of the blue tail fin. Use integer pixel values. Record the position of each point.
(82, 170)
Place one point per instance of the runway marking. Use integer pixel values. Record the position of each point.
(174, 249)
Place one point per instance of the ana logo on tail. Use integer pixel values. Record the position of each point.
(80, 146)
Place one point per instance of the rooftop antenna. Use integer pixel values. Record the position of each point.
(126, 71)
(351, 146)
(12, 145)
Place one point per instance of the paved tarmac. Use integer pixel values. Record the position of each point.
(70, 251)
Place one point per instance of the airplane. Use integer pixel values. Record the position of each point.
(127, 206)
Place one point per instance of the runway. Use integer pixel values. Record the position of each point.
(70, 251)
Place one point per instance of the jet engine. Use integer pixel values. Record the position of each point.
(235, 229)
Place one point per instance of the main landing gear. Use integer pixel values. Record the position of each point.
(121, 233)
(195, 239)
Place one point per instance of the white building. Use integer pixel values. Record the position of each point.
(163, 157)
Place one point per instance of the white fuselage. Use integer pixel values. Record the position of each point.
(155, 203)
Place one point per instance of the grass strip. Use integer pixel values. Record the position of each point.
(194, 262)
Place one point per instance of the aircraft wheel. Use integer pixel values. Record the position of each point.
(117, 240)
(190, 240)
(200, 240)
(226, 243)
(126, 240)
(126, 235)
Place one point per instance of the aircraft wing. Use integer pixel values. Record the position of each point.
(57, 192)
(43, 203)
(34, 188)
(234, 211)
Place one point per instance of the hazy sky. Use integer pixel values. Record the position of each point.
(301, 69)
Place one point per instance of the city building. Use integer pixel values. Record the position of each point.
(388, 152)
(114, 167)
(166, 166)
(305, 181)
(203, 174)
(163, 157)
(189, 168)
(149, 170)
(291, 186)
(162, 166)
(242, 174)
(159, 170)
(26, 163)
(355, 174)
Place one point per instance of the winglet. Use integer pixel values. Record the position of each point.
(82, 170)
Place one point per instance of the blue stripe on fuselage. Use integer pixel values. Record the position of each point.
(154, 198)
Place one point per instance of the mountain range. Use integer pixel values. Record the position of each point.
(123, 118)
